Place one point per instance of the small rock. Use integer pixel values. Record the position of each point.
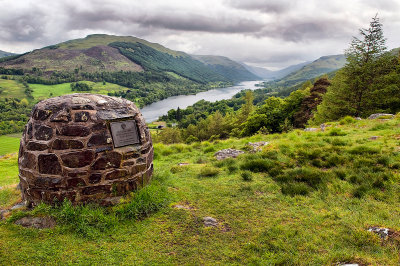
(180, 164)
(374, 138)
(184, 207)
(358, 118)
(310, 129)
(256, 146)
(322, 126)
(37, 222)
(227, 153)
(111, 201)
(381, 231)
(375, 116)
(18, 206)
(1, 188)
(4, 214)
(209, 221)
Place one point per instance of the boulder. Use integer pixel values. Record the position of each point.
(227, 153)
(379, 115)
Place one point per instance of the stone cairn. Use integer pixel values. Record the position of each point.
(67, 151)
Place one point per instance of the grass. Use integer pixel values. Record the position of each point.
(307, 198)
(41, 92)
(9, 144)
(12, 89)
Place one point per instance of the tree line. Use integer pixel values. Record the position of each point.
(369, 83)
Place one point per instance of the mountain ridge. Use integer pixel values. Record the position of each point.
(5, 54)
(111, 53)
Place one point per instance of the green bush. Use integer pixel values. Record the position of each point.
(209, 149)
(336, 132)
(144, 202)
(295, 188)
(339, 142)
(258, 165)
(85, 220)
(232, 168)
(347, 120)
(362, 149)
(380, 127)
(209, 171)
(310, 176)
(246, 176)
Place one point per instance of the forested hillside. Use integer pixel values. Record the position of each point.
(129, 67)
(227, 67)
(368, 83)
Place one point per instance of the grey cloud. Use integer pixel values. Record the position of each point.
(24, 27)
(178, 20)
(273, 32)
(296, 30)
(266, 6)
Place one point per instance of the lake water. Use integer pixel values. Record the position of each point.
(153, 111)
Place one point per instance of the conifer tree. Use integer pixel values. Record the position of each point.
(356, 88)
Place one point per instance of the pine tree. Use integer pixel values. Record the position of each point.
(357, 88)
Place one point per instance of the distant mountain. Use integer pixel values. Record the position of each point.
(271, 74)
(109, 53)
(322, 65)
(259, 71)
(4, 54)
(227, 67)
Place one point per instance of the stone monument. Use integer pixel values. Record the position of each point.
(84, 147)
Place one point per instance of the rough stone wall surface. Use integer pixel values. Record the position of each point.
(67, 151)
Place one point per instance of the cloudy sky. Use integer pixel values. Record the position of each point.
(267, 33)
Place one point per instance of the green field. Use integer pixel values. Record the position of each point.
(307, 198)
(9, 144)
(11, 89)
(41, 92)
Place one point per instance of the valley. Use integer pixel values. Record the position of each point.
(235, 164)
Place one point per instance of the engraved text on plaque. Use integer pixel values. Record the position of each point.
(124, 133)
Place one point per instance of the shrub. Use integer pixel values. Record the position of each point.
(336, 132)
(380, 127)
(310, 176)
(232, 168)
(144, 202)
(191, 139)
(209, 149)
(258, 165)
(85, 220)
(167, 151)
(209, 171)
(338, 142)
(201, 160)
(362, 149)
(295, 188)
(347, 120)
(340, 173)
(246, 175)
(175, 169)
(361, 190)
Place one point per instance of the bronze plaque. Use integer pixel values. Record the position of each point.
(124, 133)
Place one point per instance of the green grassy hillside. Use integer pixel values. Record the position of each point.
(41, 92)
(104, 39)
(307, 198)
(11, 89)
(317, 68)
(152, 59)
(226, 67)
